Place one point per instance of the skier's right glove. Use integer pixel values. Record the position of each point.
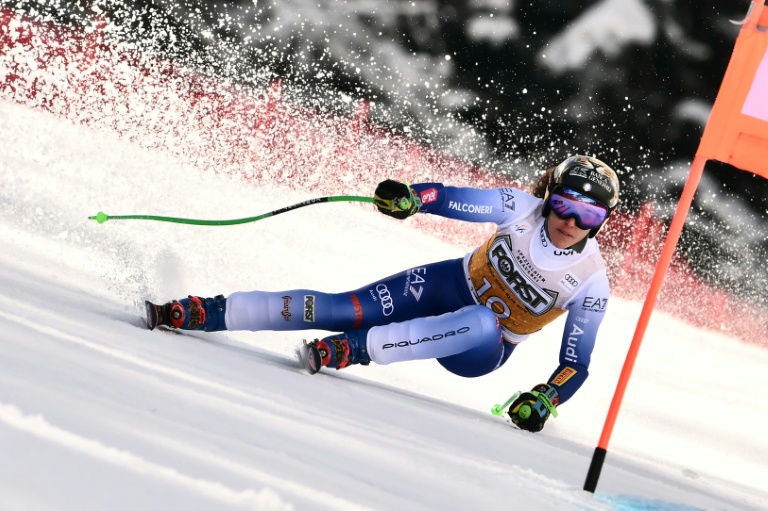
(532, 409)
(396, 199)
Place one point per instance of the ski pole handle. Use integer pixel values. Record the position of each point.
(102, 217)
(547, 402)
(498, 410)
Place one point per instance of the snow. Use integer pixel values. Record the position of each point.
(604, 27)
(98, 413)
(496, 30)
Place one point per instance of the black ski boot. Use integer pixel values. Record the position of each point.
(193, 313)
(338, 350)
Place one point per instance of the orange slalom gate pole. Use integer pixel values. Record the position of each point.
(675, 229)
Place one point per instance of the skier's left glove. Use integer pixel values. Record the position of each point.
(532, 409)
(396, 199)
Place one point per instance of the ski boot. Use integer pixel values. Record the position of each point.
(338, 350)
(193, 313)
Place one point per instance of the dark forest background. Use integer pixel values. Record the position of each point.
(511, 85)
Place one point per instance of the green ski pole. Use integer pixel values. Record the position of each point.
(102, 217)
(498, 410)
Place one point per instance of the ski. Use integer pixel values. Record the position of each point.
(309, 357)
(154, 314)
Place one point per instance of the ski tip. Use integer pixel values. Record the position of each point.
(152, 314)
(310, 358)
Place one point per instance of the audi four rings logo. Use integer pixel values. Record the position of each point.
(387, 307)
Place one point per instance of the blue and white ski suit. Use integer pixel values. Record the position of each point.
(467, 313)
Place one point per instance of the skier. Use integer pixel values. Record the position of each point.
(468, 313)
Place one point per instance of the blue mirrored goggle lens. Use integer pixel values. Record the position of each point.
(588, 213)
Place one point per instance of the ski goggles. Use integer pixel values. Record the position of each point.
(568, 203)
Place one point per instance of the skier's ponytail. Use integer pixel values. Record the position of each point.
(540, 188)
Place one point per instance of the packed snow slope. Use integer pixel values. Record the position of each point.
(98, 413)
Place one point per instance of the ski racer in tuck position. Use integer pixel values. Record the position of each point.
(468, 313)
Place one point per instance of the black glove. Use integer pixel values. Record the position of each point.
(396, 199)
(531, 409)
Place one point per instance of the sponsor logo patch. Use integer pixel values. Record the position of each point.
(358, 308)
(569, 282)
(507, 198)
(536, 299)
(286, 308)
(573, 339)
(591, 303)
(521, 228)
(470, 208)
(563, 376)
(428, 338)
(387, 306)
(414, 282)
(543, 237)
(309, 308)
(429, 196)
